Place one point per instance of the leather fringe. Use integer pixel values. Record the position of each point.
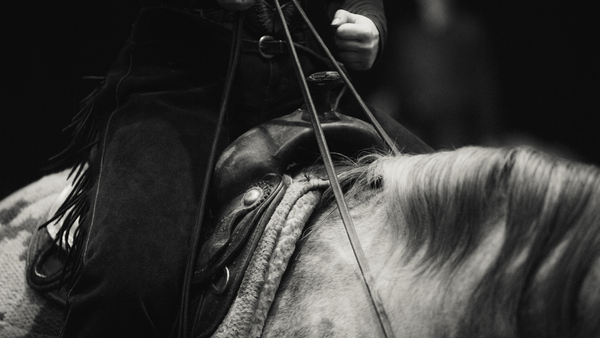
(76, 206)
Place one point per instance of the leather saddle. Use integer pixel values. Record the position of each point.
(257, 160)
(248, 184)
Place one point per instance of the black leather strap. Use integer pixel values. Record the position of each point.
(190, 264)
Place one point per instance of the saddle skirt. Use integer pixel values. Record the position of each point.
(248, 312)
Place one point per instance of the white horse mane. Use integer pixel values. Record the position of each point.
(548, 270)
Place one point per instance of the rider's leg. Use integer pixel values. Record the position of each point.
(157, 115)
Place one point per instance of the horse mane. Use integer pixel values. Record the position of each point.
(542, 282)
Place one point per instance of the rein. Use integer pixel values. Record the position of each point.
(187, 282)
(325, 154)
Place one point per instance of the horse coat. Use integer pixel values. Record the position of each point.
(474, 242)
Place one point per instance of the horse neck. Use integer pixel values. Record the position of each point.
(431, 300)
(323, 291)
(518, 265)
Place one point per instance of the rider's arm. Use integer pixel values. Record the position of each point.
(372, 9)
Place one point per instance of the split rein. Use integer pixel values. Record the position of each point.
(324, 152)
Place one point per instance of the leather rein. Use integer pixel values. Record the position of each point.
(324, 152)
(329, 167)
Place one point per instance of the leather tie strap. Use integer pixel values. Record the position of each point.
(183, 330)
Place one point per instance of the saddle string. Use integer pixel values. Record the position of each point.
(233, 63)
(342, 71)
(337, 191)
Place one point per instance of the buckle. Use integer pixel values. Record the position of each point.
(261, 41)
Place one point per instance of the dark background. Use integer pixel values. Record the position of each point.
(543, 64)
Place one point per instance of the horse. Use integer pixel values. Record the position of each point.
(471, 242)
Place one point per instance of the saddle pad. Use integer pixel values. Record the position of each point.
(23, 311)
(249, 311)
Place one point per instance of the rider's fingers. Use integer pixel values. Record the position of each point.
(356, 32)
(356, 44)
(341, 17)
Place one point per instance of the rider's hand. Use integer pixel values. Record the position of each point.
(236, 5)
(357, 39)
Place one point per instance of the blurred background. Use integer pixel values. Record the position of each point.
(455, 72)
